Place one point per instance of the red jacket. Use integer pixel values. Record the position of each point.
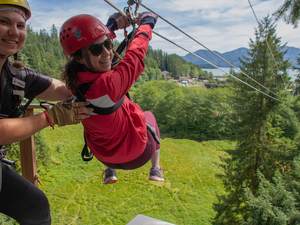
(119, 137)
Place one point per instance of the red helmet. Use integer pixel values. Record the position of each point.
(80, 31)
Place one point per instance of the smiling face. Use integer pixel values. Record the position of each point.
(99, 55)
(12, 32)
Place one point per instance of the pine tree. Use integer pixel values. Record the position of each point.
(263, 143)
(273, 204)
(297, 81)
(290, 11)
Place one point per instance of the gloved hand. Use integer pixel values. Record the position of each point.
(67, 113)
(117, 21)
(147, 18)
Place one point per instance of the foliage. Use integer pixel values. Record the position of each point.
(42, 52)
(173, 64)
(297, 80)
(273, 203)
(290, 11)
(292, 179)
(41, 150)
(186, 112)
(266, 132)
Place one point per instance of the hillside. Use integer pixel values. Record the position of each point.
(78, 197)
(234, 57)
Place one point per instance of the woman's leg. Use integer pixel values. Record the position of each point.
(152, 151)
(22, 201)
(155, 173)
(155, 159)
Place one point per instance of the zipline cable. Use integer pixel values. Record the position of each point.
(214, 65)
(215, 54)
(196, 55)
(267, 42)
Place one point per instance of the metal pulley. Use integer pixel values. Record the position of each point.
(132, 10)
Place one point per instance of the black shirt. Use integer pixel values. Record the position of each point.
(28, 84)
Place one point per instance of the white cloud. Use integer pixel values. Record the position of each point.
(221, 25)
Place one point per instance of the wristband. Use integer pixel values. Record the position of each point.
(49, 120)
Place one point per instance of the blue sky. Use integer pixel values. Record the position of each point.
(221, 25)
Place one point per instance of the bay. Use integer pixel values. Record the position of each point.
(222, 71)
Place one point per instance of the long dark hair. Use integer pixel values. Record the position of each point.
(72, 68)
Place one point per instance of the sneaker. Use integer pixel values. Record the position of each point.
(110, 176)
(156, 174)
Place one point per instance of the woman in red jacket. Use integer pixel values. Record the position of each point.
(117, 135)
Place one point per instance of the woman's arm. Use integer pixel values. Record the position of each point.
(57, 91)
(118, 81)
(17, 129)
(61, 114)
(124, 75)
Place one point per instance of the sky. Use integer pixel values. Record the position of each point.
(220, 25)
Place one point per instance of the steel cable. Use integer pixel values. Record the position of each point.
(215, 54)
(196, 55)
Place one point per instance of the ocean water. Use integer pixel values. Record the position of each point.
(223, 70)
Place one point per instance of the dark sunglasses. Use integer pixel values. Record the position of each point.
(97, 49)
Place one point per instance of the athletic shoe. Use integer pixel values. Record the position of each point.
(156, 174)
(110, 176)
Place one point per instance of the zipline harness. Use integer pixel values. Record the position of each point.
(131, 14)
(14, 105)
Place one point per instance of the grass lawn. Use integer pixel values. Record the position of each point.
(77, 195)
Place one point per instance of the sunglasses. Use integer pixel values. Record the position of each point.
(97, 49)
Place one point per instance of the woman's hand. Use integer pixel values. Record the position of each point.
(117, 21)
(147, 18)
(68, 112)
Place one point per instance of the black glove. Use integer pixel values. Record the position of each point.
(147, 18)
(117, 21)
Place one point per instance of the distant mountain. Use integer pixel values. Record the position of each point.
(234, 57)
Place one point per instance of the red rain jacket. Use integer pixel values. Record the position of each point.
(121, 136)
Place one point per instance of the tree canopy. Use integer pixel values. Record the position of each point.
(289, 11)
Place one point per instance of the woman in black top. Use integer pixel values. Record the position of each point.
(19, 198)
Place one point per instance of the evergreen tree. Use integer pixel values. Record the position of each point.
(294, 180)
(263, 144)
(290, 11)
(42, 52)
(273, 204)
(297, 80)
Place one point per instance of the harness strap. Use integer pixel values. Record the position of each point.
(13, 85)
(86, 154)
(153, 133)
(82, 89)
(122, 47)
(107, 111)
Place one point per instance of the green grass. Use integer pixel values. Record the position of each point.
(77, 195)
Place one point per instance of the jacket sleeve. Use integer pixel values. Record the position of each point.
(119, 80)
